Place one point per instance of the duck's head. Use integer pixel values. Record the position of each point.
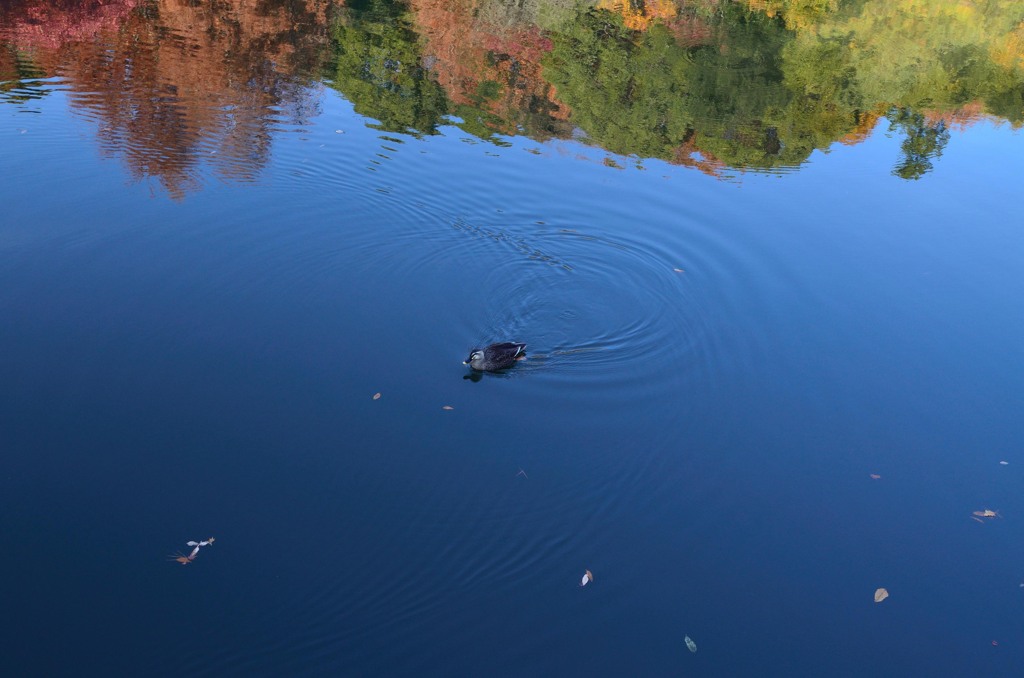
(475, 354)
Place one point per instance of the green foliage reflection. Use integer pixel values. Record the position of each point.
(752, 84)
(922, 144)
(625, 88)
(379, 68)
(773, 84)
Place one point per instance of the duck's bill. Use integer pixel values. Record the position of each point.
(465, 362)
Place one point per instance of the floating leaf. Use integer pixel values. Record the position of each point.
(1004, 463)
(588, 577)
(447, 407)
(880, 595)
(678, 270)
(987, 513)
(875, 476)
(376, 396)
(690, 644)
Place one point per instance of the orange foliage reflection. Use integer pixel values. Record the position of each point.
(468, 53)
(640, 15)
(175, 86)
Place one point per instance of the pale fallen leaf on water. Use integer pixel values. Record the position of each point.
(987, 513)
(875, 476)
(376, 396)
(185, 560)
(690, 644)
(447, 407)
(1004, 463)
(880, 595)
(679, 270)
(588, 577)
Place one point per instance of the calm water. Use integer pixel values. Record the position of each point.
(758, 254)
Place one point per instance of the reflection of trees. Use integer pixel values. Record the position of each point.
(639, 15)
(411, 66)
(736, 95)
(30, 27)
(923, 55)
(57, 22)
(642, 93)
(176, 86)
(927, 64)
(625, 88)
(16, 77)
(179, 86)
(713, 83)
(486, 55)
(771, 86)
(924, 142)
(380, 69)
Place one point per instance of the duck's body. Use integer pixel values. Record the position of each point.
(495, 357)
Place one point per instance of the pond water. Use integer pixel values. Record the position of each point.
(761, 253)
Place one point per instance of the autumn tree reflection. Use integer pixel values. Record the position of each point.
(713, 84)
(412, 67)
(179, 88)
(176, 87)
(488, 58)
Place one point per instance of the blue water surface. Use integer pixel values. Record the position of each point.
(180, 366)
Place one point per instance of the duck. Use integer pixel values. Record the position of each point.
(495, 357)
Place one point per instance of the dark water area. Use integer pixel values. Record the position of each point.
(760, 254)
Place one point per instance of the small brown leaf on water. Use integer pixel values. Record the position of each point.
(875, 476)
(376, 396)
(447, 407)
(880, 595)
